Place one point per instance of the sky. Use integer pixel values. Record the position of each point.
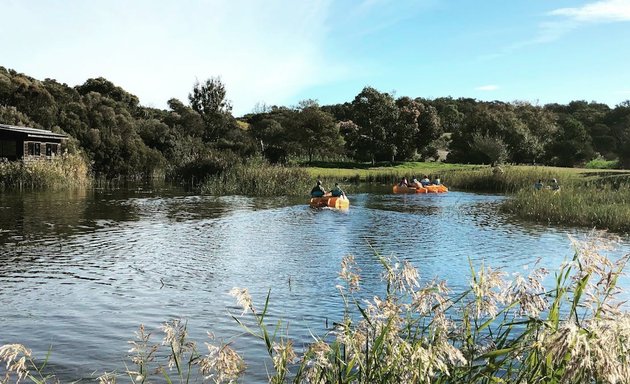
(279, 52)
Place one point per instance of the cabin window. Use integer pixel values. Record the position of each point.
(34, 149)
(51, 149)
(8, 148)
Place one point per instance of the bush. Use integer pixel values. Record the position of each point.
(601, 163)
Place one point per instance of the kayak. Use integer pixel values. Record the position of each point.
(331, 202)
(404, 189)
(436, 188)
(426, 189)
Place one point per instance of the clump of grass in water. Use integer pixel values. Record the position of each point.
(259, 180)
(61, 172)
(495, 331)
(602, 206)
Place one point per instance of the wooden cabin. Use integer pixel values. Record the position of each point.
(24, 143)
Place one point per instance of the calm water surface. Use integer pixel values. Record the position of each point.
(80, 271)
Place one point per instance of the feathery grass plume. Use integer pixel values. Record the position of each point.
(350, 273)
(111, 377)
(489, 289)
(182, 349)
(283, 354)
(143, 354)
(222, 364)
(243, 298)
(528, 292)
(15, 356)
(434, 295)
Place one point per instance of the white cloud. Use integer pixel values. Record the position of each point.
(600, 11)
(487, 88)
(568, 19)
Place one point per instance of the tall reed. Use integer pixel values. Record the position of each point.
(61, 172)
(602, 206)
(258, 179)
(522, 330)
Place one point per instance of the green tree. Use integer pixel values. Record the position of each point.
(571, 144)
(317, 132)
(209, 100)
(405, 131)
(619, 122)
(376, 115)
(429, 130)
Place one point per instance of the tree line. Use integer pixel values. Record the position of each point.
(119, 137)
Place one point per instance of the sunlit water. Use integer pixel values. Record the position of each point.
(79, 272)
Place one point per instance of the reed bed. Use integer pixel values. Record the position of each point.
(601, 206)
(385, 174)
(498, 330)
(66, 171)
(504, 179)
(259, 179)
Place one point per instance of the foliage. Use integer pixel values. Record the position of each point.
(317, 132)
(600, 163)
(375, 115)
(121, 138)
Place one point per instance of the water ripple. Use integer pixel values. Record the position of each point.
(92, 267)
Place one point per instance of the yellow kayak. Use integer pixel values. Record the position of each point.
(331, 202)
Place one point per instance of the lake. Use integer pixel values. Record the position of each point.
(80, 271)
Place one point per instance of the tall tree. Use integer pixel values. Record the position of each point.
(429, 130)
(406, 130)
(571, 144)
(317, 131)
(375, 114)
(209, 100)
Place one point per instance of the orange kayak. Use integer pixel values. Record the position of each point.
(403, 189)
(427, 189)
(436, 188)
(331, 202)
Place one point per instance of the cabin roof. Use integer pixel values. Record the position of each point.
(32, 132)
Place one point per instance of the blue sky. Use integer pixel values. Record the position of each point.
(279, 52)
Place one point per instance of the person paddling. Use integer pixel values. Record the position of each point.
(318, 190)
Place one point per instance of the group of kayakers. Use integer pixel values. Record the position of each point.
(425, 181)
(319, 191)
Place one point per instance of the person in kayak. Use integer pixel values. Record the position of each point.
(337, 191)
(318, 190)
(425, 181)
